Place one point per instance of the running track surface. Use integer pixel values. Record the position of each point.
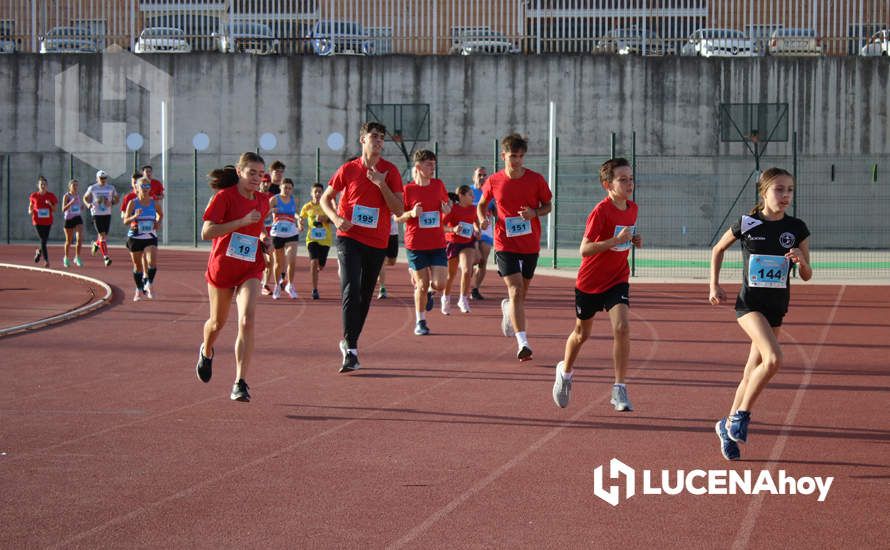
(108, 440)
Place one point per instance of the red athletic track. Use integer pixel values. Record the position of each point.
(446, 441)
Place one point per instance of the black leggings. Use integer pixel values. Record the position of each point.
(43, 233)
(359, 267)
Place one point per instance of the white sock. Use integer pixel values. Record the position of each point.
(353, 351)
(421, 315)
(567, 375)
(620, 385)
(522, 339)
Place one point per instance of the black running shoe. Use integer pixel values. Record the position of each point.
(350, 362)
(107, 261)
(204, 369)
(525, 354)
(37, 256)
(239, 392)
(315, 294)
(429, 301)
(475, 294)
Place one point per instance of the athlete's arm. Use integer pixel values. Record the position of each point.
(212, 230)
(131, 214)
(529, 213)
(159, 214)
(481, 216)
(330, 209)
(716, 294)
(592, 248)
(801, 256)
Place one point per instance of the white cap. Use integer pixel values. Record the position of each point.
(101, 174)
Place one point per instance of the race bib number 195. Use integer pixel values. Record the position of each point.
(365, 216)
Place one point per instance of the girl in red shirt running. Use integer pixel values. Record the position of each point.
(234, 221)
(40, 207)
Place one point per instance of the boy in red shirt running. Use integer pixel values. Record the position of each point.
(521, 197)
(426, 203)
(371, 189)
(602, 282)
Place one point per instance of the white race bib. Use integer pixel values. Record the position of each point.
(365, 216)
(243, 247)
(465, 229)
(145, 226)
(517, 226)
(43, 212)
(623, 246)
(284, 226)
(428, 220)
(767, 271)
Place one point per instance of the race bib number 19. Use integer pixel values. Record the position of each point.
(365, 216)
(242, 247)
(767, 271)
(517, 226)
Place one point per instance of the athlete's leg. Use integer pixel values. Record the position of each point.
(246, 298)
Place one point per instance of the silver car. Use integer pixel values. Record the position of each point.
(483, 41)
(794, 42)
(719, 43)
(878, 45)
(162, 40)
(630, 41)
(245, 37)
(68, 40)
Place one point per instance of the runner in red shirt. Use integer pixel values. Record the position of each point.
(460, 234)
(426, 202)
(234, 221)
(521, 197)
(371, 190)
(41, 204)
(157, 188)
(602, 282)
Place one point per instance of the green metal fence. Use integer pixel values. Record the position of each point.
(685, 201)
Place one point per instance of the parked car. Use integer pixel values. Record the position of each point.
(7, 44)
(68, 40)
(629, 41)
(878, 44)
(162, 40)
(340, 38)
(719, 43)
(482, 40)
(247, 37)
(794, 42)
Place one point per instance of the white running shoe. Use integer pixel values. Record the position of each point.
(446, 304)
(276, 292)
(148, 291)
(506, 323)
(291, 291)
(137, 295)
(562, 387)
(464, 304)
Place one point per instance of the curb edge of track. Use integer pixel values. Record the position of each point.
(62, 317)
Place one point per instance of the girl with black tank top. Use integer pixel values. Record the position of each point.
(772, 243)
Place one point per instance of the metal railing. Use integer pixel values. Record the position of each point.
(441, 27)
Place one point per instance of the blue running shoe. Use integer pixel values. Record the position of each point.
(429, 301)
(728, 448)
(738, 426)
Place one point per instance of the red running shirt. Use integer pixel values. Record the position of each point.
(511, 233)
(232, 263)
(600, 272)
(458, 214)
(427, 231)
(362, 202)
(42, 207)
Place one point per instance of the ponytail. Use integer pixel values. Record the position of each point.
(222, 178)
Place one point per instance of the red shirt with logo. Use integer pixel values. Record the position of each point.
(42, 207)
(426, 232)
(362, 203)
(458, 214)
(511, 233)
(237, 256)
(600, 272)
